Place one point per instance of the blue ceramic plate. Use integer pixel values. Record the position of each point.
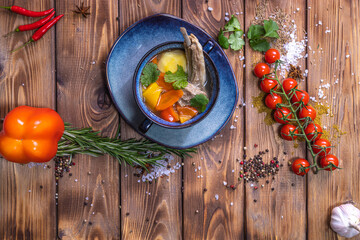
(133, 45)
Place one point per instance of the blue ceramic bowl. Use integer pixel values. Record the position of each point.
(142, 38)
(212, 78)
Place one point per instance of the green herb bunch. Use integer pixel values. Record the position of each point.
(259, 34)
(133, 152)
(235, 39)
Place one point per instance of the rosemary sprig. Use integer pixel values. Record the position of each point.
(133, 152)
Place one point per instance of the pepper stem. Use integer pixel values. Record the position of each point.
(9, 8)
(24, 45)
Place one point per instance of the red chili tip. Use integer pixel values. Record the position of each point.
(73, 163)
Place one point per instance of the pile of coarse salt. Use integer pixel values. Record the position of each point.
(294, 52)
(160, 170)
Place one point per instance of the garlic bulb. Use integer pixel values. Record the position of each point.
(345, 220)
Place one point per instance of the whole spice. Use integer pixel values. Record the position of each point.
(34, 25)
(345, 220)
(82, 10)
(28, 13)
(39, 33)
(295, 72)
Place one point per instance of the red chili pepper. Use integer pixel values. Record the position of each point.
(40, 32)
(34, 25)
(28, 13)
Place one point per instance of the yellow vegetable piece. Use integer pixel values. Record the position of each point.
(168, 61)
(184, 118)
(152, 94)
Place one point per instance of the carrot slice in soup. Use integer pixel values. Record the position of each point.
(155, 60)
(161, 82)
(168, 99)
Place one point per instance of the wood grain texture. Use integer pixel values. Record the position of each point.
(82, 47)
(336, 57)
(148, 211)
(278, 214)
(217, 219)
(26, 210)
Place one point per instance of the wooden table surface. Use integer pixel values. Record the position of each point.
(66, 71)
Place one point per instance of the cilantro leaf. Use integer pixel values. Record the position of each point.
(235, 40)
(256, 32)
(199, 101)
(178, 79)
(223, 41)
(270, 28)
(150, 74)
(233, 24)
(260, 45)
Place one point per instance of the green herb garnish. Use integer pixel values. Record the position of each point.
(199, 101)
(223, 41)
(257, 35)
(178, 78)
(235, 40)
(131, 151)
(150, 74)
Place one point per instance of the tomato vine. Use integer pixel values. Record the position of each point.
(301, 123)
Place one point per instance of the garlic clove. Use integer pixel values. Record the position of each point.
(345, 220)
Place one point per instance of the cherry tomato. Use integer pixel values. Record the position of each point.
(307, 111)
(311, 130)
(319, 145)
(280, 113)
(325, 161)
(272, 55)
(297, 164)
(267, 84)
(261, 69)
(300, 95)
(289, 84)
(272, 99)
(287, 130)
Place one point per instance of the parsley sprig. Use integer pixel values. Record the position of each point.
(235, 40)
(178, 78)
(150, 74)
(258, 35)
(200, 102)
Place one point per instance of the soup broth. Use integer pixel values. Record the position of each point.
(171, 96)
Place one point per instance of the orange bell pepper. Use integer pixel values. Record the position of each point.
(30, 134)
(161, 82)
(186, 113)
(168, 99)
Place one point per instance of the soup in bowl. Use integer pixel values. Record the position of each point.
(175, 84)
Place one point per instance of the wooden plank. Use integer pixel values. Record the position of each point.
(148, 211)
(26, 210)
(336, 56)
(82, 48)
(278, 214)
(223, 218)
